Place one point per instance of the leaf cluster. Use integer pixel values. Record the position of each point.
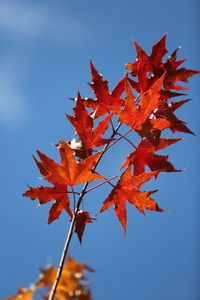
(141, 101)
(73, 284)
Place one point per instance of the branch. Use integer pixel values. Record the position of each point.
(71, 228)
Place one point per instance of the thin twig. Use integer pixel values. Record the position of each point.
(113, 128)
(111, 184)
(74, 197)
(126, 139)
(121, 137)
(71, 228)
(76, 193)
(94, 187)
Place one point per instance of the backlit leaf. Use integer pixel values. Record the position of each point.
(127, 189)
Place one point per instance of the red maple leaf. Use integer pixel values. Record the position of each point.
(135, 115)
(155, 68)
(151, 63)
(68, 173)
(163, 118)
(166, 112)
(173, 74)
(127, 189)
(151, 129)
(82, 218)
(139, 86)
(83, 124)
(105, 100)
(144, 156)
(59, 193)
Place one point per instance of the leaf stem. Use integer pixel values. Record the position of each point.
(121, 137)
(126, 139)
(71, 228)
(94, 187)
(76, 193)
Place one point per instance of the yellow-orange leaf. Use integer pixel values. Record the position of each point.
(23, 294)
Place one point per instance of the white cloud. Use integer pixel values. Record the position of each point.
(20, 20)
(12, 99)
(28, 22)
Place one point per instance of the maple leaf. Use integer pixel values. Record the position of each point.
(46, 277)
(144, 156)
(146, 64)
(72, 283)
(173, 74)
(127, 190)
(77, 269)
(151, 129)
(149, 81)
(23, 294)
(105, 101)
(59, 193)
(82, 218)
(68, 173)
(83, 124)
(163, 118)
(135, 116)
(153, 64)
(166, 112)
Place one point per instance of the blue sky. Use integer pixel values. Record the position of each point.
(44, 58)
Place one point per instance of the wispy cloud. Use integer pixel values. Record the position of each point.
(12, 99)
(28, 21)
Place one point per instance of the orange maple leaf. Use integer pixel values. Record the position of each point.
(45, 194)
(71, 284)
(68, 173)
(23, 294)
(46, 277)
